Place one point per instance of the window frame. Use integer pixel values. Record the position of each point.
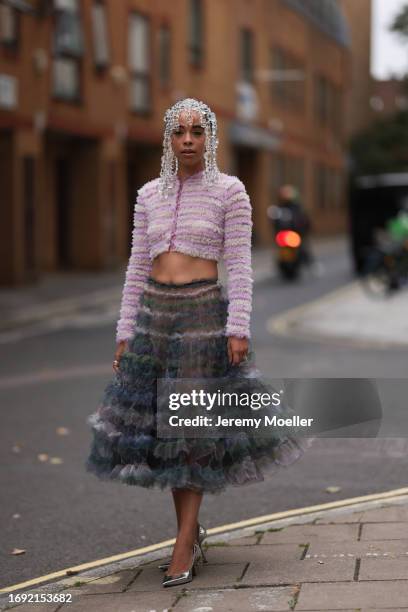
(288, 169)
(291, 94)
(142, 75)
(247, 54)
(71, 58)
(101, 65)
(12, 44)
(195, 34)
(331, 116)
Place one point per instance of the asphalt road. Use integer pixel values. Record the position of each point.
(53, 378)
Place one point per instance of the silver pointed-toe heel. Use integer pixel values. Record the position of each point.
(202, 534)
(187, 576)
(164, 566)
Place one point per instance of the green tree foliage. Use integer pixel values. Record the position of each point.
(383, 147)
(400, 23)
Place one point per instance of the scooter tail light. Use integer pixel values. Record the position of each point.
(288, 238)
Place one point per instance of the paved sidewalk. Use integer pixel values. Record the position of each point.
(345, 555)
(349, 316)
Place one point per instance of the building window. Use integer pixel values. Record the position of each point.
(195, 35)
(100, 35)
(328, 105)
(329, 187)
(401, 102)
(377, 103)
(8, 25)
(288, 79)
(287, 169)
(68, 38)
(68, 50)
(321, 99)
(8, 92)
(66, 78)
(247, 55)
(164, 55)
(139, 63)
(321, 191)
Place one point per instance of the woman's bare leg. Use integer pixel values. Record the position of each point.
(177, 498)
(177, 505)
(187, 504)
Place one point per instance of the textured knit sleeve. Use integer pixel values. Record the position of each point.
(138, 269)
(237, 258)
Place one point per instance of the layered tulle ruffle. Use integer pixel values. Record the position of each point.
(179, 332)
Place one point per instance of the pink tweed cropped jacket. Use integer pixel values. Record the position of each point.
(204, 222)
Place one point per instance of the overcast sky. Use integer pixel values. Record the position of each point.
(388, 54)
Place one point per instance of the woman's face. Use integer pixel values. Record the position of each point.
(188, 137)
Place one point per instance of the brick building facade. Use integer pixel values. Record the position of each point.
(84, 85)
(358, 108)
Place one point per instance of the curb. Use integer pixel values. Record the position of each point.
(287, 324)
(94, 570)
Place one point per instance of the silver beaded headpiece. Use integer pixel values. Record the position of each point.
(169, 162)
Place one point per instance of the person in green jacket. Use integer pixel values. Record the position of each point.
(397, 227)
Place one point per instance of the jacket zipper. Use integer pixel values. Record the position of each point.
(173, 232)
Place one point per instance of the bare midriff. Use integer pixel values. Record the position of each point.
(175, 267)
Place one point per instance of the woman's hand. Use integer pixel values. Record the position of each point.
(120, 348)
(237, 349)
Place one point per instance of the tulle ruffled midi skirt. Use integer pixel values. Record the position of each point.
(179, 333)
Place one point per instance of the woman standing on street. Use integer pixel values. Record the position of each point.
(175, 322)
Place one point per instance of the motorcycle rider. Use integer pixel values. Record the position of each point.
(290, 214)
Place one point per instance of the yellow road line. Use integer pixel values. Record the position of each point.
(266, 518)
